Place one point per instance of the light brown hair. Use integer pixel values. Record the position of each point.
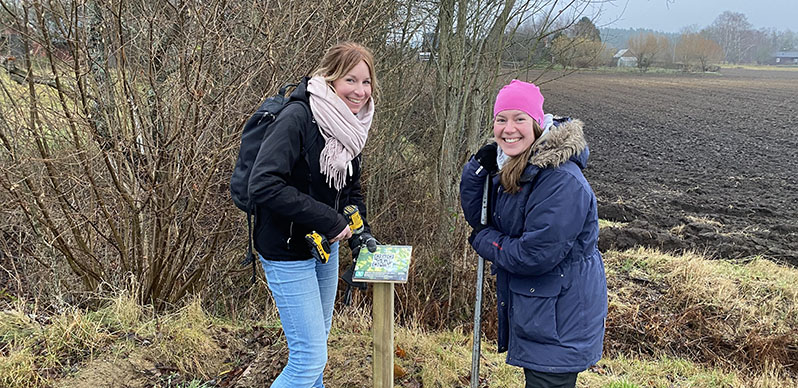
(341, 58)
(510, 175)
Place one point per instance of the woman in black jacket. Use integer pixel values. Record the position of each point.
(307, 170)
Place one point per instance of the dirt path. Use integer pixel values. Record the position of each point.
(705, 162)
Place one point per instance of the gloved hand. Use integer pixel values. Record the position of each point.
(474, 233)
(486, 157)
(357, 242)
(347, 277)
(475, 244)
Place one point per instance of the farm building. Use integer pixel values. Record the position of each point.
(624, 58)
(786, 58)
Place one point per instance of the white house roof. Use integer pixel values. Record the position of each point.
(620, 53)
(788, 54)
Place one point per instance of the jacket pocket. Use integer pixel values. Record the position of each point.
(533, 315)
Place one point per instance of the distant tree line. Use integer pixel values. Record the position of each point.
(574, 45)
(730, 39)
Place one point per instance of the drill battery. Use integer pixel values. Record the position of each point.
(319, 246)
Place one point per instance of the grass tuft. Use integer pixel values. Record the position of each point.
(189, 344)
(723, 313)
(15, 326)
(18, 369)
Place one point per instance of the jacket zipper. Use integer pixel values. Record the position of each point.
(352, 172)
(290, 234)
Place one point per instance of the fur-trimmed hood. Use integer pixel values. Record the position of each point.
(561, 143)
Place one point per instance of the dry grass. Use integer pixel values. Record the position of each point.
(611, 224)
(740, 316)
(705, 221)
(762, 67)
(37, 352)
(667, 372)
(675, 321)
(188, 343)
(424, 358)
(677, 230)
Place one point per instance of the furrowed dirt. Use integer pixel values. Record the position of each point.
(691, 161)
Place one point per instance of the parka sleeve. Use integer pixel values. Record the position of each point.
(268, 187)
(556, 213)
(472, 184)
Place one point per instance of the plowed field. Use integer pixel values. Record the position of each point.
(687, 161)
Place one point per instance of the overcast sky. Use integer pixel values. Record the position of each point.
(665, 16)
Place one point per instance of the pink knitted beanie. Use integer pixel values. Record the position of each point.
(523, 96)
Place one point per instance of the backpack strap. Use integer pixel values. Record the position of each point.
(250, 251)
(308, 125)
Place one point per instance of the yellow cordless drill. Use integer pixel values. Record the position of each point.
(355, 221)
(320, 247)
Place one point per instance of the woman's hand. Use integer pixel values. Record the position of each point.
(486, 157)
(343, 235)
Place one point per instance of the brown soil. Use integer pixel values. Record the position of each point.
(691, 161)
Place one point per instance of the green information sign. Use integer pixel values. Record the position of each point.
(390, 263)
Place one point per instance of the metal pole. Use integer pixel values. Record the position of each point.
(475, 351)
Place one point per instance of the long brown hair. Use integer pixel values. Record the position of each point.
(511, 172)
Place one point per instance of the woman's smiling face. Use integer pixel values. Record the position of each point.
(354, 88)
(513, 131)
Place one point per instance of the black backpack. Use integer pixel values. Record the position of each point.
(255, 129)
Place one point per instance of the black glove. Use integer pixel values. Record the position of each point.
(474, 233)
(486, 157)
(347, 277)
(357, 241)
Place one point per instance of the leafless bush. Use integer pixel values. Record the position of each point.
(696, 51)
(120, 122)
(119, 160)
(647, 48)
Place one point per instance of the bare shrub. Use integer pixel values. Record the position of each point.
(647, 48)
(120, 124)
(578, 52)
(119, 164)
(696, 51)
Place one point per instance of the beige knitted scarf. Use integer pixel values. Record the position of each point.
(344, 133)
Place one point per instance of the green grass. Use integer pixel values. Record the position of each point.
(665, 372)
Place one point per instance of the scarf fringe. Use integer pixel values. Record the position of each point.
(333, 164)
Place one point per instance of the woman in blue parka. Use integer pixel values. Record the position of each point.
(541, 238)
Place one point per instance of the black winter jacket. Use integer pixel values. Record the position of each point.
(290, 193)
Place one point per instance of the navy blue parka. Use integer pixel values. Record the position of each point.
(543, 244)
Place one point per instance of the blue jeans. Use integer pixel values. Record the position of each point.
(304, 293)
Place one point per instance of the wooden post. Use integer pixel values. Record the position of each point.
(382, 326)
